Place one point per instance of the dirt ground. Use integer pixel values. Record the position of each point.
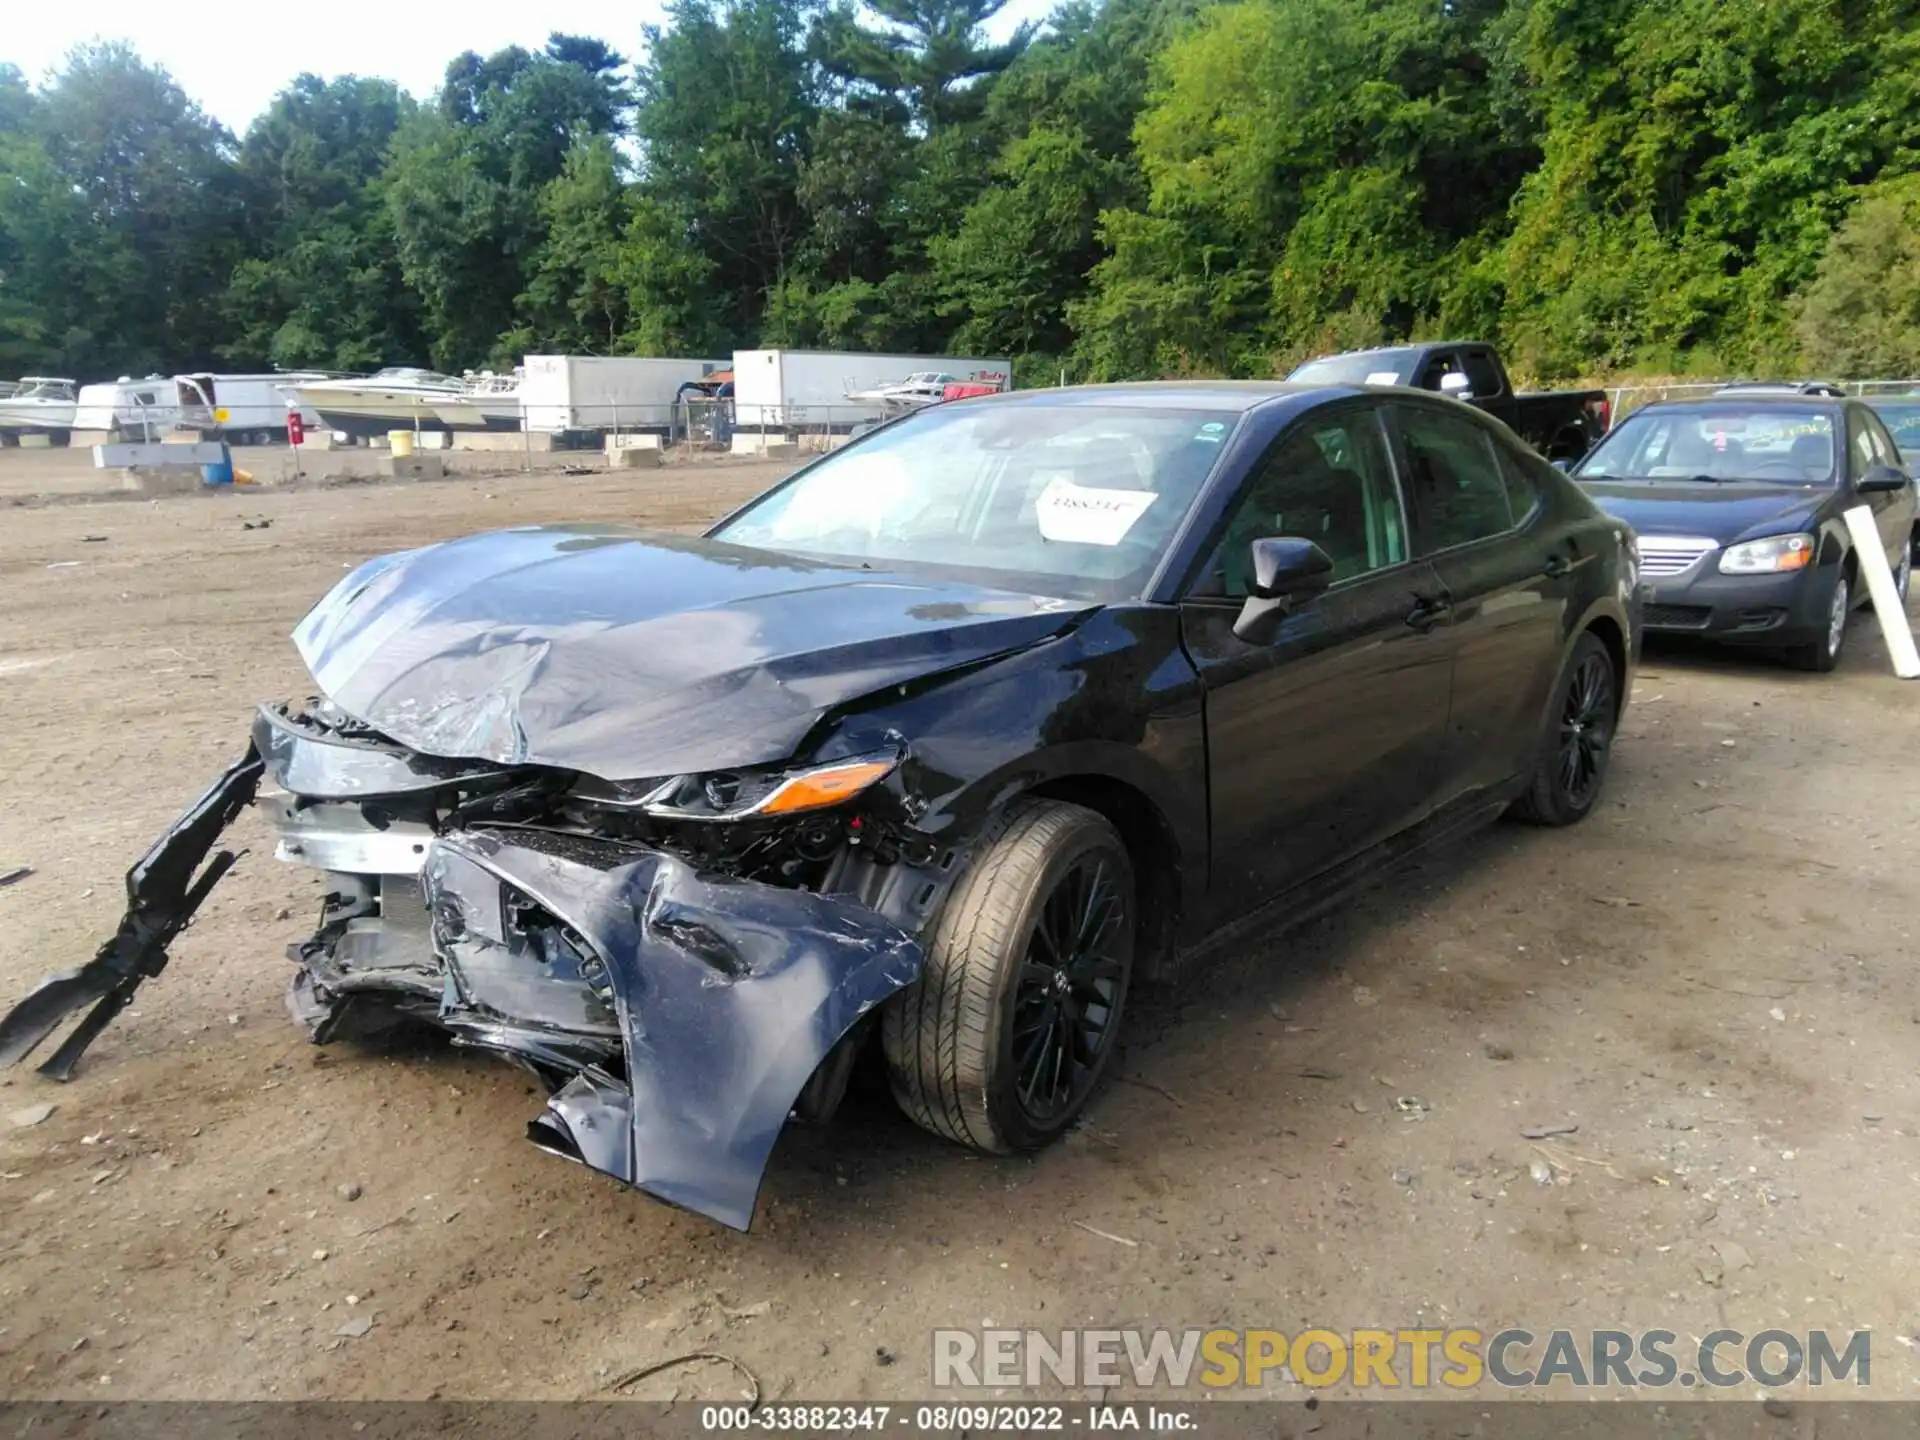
(1713, 978)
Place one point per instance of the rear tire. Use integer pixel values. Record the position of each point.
(1822, 653)
(1571, 767)
(1002, 1040)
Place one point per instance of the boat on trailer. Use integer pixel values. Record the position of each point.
(37, 405)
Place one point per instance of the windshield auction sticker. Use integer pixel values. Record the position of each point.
(1082, 515)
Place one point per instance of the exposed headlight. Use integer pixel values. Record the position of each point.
(752, 795)
(1765, 557)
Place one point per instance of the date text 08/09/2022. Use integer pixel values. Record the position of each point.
(945, 1419)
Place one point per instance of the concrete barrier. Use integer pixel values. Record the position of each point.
(767, 447)
(414, 467)
(170, 481)
(190, 455)
(536, 443)
(632, 457)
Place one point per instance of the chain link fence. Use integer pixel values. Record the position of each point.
(1626, 399)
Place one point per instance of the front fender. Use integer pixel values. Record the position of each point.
(728, 993)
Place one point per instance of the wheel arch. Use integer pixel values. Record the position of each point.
(1610, 633)
(1153, 846)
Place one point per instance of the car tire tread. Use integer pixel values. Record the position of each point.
(939, 1034)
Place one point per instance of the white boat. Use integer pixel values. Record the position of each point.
(36, 405)
(489, 402)
(367, 407)
(923, 387)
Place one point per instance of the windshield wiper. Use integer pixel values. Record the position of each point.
(1704, 479)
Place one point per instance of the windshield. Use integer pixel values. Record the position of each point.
(1783, 444)
(1902, 417)
(1368, 367)
(1070, 500)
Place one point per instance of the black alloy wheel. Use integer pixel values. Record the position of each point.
(1586, 729)
(1003, 1038)
(1571, 765)
(1067, 1002)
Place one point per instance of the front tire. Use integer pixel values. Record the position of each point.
(1017, 1011)
(1822, 653)
(1571, 767)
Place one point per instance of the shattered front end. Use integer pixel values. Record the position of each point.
(682, 962)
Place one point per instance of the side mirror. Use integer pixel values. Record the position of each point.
(1880, 479)
(1285, 569)
(1457, 385)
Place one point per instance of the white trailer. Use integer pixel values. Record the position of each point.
(242, 409)
(584, 397)
(810, 389)
(125, 409)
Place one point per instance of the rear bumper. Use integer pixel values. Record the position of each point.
(1736, 609)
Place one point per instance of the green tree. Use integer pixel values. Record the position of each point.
(727, 101)
(1861, 314)
(465, 184)
(119, 222)
(576, 301)
(322, 284)
(927, 60)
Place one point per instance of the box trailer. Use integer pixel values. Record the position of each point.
(125, 409)
(835, 390)
(242, 409)
(581, 398)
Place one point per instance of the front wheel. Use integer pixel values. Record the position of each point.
(1822, 653)
(1572, 763)
(1001, 1041)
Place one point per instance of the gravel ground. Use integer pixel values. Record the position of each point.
(1712, 979)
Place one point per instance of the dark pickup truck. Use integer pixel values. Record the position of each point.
(1560, 424)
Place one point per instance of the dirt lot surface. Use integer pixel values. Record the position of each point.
(1713, 979)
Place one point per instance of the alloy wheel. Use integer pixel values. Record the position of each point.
(1586, 729)
(1072, 979)
(1837, 614)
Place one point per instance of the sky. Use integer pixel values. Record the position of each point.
(238, 56)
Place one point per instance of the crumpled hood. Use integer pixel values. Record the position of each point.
(1723, 513)
(626, 655)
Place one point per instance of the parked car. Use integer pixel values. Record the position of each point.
(937, 747)
(1560, 424)
(1783, 387)
(1901, 415)
(1737, 501)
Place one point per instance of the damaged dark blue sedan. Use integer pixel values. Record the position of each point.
(935, 748)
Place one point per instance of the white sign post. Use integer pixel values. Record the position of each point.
(1887, 604)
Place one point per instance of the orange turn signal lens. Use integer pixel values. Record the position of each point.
(829, 785)
(1795, 558)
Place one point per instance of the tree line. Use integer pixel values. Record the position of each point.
(1140, 187)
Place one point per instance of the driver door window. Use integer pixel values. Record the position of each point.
(1327, 482)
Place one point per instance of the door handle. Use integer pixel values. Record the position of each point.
(1556, 566)
(1428, 611)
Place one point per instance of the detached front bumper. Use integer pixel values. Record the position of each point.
(676, 1016)
(1736, 609)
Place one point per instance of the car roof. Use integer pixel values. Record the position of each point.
(1781, 387)
(1719, 400)
(1232, 396)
